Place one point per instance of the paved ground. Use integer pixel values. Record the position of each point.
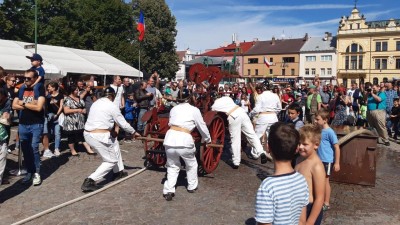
(224, 197)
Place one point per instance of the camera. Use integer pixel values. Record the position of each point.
(368, 89)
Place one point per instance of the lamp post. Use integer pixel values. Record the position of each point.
(36, 26)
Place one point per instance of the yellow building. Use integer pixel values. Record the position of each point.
(283, 56)
(368, 51)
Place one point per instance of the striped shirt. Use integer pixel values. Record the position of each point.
(281, 198)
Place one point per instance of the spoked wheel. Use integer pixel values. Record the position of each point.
(210, 156)
(154, 150)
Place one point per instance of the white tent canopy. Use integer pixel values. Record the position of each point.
(61, 60)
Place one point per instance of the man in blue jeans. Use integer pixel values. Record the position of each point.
(30, 102)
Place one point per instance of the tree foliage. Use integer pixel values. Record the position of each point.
(103, 25)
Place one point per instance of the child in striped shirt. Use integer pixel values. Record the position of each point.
(282, 197)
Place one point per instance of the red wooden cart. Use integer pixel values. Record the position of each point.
(157, 125)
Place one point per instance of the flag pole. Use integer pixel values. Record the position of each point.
(140, 44)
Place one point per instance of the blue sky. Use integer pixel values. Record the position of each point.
(207, 24)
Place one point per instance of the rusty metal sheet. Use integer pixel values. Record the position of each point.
(357, 161)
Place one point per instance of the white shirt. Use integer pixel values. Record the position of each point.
(267, 102)
(103, 114)
(186, 116)
(119, 91)
(225, 104)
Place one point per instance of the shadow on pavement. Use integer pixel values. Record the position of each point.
(49, 166)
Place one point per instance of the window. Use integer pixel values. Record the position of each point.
(397, 63)
(345, 82)
(288, 59)
(248, 72)
(351, 26)
(329, 71)
(381, 46)
(271, 59)
(271, 71)
(313, 71)
(307, 72)
(292, 72)
(252, 60)
(311, 58)
(325, 58)
(353, 61)
(375, 81)
(322, 72)
(358, 26)
(256, 72)
(283, 72)
(397, 45)
(380, 64)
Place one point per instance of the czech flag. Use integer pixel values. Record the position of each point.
(267, 63)
(140, 26)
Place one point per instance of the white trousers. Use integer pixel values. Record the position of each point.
(3, 159)
(264, 123)
(241, 123)
(174, 166)
(109, 152)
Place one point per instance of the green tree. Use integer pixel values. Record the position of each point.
(158, 48)
(17, 17)
(102, 25)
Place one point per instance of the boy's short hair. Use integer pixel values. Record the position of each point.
(295, 106)
(310, 132)
(323, 113)
(395, 99)
(283, 140)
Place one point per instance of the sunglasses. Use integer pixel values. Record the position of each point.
(12, 80)
(28, 78)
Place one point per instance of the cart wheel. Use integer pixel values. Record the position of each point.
(210, 156)
(149, 128)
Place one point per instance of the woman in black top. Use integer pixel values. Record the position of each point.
(54, 104)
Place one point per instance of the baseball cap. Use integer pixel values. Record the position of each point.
(311, 86)
(35, 57)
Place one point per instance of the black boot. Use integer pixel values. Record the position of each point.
(89, 185)
(169, 196)
(263, 158)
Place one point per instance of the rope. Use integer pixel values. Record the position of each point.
(78, 199)
(349, 136)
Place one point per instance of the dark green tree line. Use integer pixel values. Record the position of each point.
(102, 25)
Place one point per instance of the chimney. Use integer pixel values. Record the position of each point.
(273, 41)
(255, 40)
(306, 37)
(326, 36)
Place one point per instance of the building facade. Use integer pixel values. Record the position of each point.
(232, 53)
(368, 51)
(282, 55)
(318, 58)
(183, 56)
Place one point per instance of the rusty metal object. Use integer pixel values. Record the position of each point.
(357, 156)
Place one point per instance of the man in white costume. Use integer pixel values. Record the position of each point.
(267, 106)
(100, 135)
(178, 143)
(239, 122)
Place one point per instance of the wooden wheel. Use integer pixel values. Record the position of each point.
(154, 150)
(210, 156)
(198, 73)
